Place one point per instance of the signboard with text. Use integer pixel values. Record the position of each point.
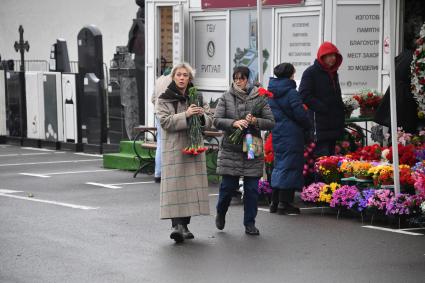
(357, 38)
(210, 48)
(222, 4)
(299, 41)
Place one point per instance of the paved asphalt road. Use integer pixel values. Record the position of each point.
(63, 218)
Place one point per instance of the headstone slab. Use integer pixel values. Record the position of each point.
(61, 56)
(93, 118)
(3, 128)
(69, 108)
(53, 121)
(16, 104)
(35, 104)
(90, 51)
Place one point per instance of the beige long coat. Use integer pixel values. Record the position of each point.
(184, 183)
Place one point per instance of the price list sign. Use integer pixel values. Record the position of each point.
(299, 41)
(357, 38)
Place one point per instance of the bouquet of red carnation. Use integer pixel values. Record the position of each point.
(367, 153)
(236, 136)
(368, 98)
(406, 154)
(194, 132)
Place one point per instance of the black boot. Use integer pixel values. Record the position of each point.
(286, 198)
(177, 234)
(187, 234)
(275, 201)
(220, 221)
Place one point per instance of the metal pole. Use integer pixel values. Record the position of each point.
(393, 96)
(259, 41)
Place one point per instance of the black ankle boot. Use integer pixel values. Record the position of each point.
(187, 234)
(281, 207)
(220, 221)
(275, 201)
(177, 233)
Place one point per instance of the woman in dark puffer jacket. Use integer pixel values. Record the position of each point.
(288, 139)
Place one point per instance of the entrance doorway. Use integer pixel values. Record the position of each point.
(165, 44)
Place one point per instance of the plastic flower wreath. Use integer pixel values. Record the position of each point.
(417, 69)
(343, 196)
(325, 194)
(237, 135)
(311, 192)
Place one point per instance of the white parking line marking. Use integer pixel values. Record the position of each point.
(23, 154)
(49, 162)
(213, 195)
(83, 207)
(87, 154)
(2, 191)
(39, 149)
(393, 230)
(103, 185)
(35, 175)
(134, 183)
(48, 175)
(118, 185)
(413, 229)
(263, 209)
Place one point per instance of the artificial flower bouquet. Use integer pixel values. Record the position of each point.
(328, 168)
(311, 192)
(360, 169)
(368, 100)
(346, 168)
(368, 153)
(378, 201)
(360, 200)
(343, 196)
(237, 136)
(326, 192)
(350, 104)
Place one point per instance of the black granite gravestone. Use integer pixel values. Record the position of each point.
(59, 57)
(16, 119)
(90, 99)
(93, 111)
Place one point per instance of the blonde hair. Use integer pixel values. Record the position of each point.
(186, 66)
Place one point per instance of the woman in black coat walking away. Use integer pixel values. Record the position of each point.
(288, 139)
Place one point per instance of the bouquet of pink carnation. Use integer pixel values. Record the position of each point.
(311, 192)
(343, 196)
(379, 199)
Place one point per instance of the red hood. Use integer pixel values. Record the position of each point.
(328, 48)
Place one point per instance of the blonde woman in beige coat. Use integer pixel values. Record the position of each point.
(184, 183)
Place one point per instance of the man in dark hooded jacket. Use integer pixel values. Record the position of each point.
(321, 92)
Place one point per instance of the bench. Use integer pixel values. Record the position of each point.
(147, 163)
